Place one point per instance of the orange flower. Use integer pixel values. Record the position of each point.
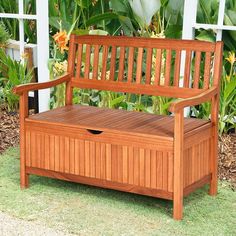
(61, 40)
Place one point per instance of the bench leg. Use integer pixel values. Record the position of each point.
(24, 181)
(213, 165)
(178, 167)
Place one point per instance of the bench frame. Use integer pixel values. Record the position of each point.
(191, 97)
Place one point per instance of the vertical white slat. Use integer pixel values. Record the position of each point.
(43, 51)
(220, 21)
(21, 29)
(190, 16)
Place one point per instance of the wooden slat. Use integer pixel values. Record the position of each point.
(62, 153)
(187, 69)
(79, 61)
(147, 168)
(142, 167)
(177, 68)
(72, 156)
(86, 159)
(92, 159)
(103, 161)
(153, 169)
(113, 63)
(38, 149)
(114, 163)
(67, 157)
(47, 151)
(197, 69)
(148, 66)
(158, 66)
(139, 66)
(207, 70)
(121, 64)
(159, 172)
(77, 157)
(52, 153)
(82, 157)
(96, 62)
(131, 165)
(130, 64)
(136, 166)
(168, 67)
(170, 172)
(57, 153)
(104, 62)
(167, 91)
(125, 164)
(123, 41)
(108, 162)
(98, 160)
(72, 53)
(87, 61)
(120, 164)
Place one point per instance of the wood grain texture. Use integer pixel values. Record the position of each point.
(160, 156)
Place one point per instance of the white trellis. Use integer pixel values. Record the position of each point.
(190, 21)
(41, 18)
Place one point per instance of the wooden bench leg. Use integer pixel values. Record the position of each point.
(213, 163)
(178, 167)
(24, 178)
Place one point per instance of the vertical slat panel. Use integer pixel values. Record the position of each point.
(142, 167)
(79, 61)
(158, 66)
(62, 153)
(77, 157)
(42, 157)
(87, 61)
(82, 157)
(98, 160)
(103, 161)
(168, 67)
(104, 62)
(147, 168)
(170, 172)
(72, 156)
(113, 63)
(197, 70)
(47, 153)
(28, 146)
(52, 153)
(131, 165)
(165, 171)
(153, 169)
(207, 70)
(114, 163)
(92, 152)
(177, 68)
(38, 150)
(57, 153)
(139, 66)
(86, 159)
(120, 163)
(187, 69)
(67, 157)
(108, 161)
(125, 164)
(95, 62)
(130, 64)
(136, 166)
(33, 149)
(148, 66)
(121, 64)
(159, 171)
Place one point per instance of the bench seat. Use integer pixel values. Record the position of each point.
(103, 119)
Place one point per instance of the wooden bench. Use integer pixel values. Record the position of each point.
(161, 156)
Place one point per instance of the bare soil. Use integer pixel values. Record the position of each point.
(9, 136)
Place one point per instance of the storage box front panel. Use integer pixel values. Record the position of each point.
(111, 162)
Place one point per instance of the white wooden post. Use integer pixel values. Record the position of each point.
(220, 21)
(43, 51)
(21, 29)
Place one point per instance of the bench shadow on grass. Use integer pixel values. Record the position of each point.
(164, 207)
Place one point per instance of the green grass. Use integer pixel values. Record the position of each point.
(87, 210)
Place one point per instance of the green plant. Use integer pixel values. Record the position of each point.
(4, 35)
(13, 73)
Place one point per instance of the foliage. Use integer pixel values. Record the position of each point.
(12, 73)
(4, 35)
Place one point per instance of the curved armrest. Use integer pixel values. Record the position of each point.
(196, 100)
(37, 86)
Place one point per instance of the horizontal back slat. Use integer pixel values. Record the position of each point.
(123, 41)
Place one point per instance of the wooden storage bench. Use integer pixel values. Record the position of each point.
(160, 156)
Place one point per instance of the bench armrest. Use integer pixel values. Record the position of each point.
(19, 90)
(196, 100)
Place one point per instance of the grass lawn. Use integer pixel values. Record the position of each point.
(87, 210)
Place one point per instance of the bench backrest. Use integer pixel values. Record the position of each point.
(144, 65)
